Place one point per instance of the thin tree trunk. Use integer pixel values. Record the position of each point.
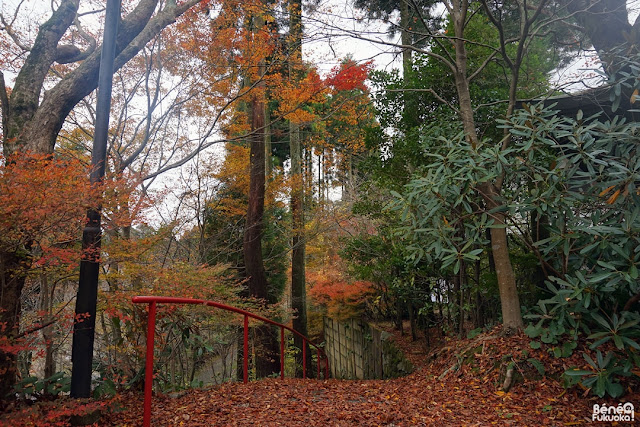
(47, 332)
(298, 279)
(479, 320)
(490, 193)
(399, 325)
(455, 300)
(412, 321)
(405, 35)
(13, 267)
(463, 283)
(320, 186)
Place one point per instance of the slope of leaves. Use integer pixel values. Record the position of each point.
(434, 394)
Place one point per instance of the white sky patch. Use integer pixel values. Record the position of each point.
(328, 37)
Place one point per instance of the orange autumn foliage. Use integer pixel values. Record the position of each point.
(342, 297)
(294, 94)
(43, 205)
(139, 265)
(218, 44)
(123, 201)
(233, 175)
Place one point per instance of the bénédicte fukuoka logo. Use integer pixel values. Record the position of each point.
(623, 412)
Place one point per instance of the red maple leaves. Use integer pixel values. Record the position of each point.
(349, 75)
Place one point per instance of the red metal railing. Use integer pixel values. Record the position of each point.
(151, 327)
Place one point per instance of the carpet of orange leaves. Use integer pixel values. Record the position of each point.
(469, 395)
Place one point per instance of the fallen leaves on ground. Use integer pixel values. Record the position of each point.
(419, 399)
(467, 396)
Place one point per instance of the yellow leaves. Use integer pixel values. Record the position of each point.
(233, 175)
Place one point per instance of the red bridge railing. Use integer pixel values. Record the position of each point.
(151, 328)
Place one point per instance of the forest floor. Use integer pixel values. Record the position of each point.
(456, 384)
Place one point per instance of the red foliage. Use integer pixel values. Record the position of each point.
(349, 75)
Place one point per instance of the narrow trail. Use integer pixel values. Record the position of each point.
(468, 395)
(418, 399)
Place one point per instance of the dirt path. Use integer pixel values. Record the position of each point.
(419, 399)
(467, 395)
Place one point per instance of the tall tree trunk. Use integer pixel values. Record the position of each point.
(268, 165)
(405, 36)
(266, 363)
(298, 279)
(252, 243)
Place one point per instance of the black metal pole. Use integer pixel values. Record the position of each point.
(87, 297)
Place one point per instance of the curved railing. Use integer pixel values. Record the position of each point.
(151, 328)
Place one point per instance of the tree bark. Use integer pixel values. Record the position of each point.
(268, 161)
(490, 193)
(266, 361)
(13, 267)
(606, 24)
(298, 243)
(405, 36)
(509, 300)
(298, 278)
(252, 243)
